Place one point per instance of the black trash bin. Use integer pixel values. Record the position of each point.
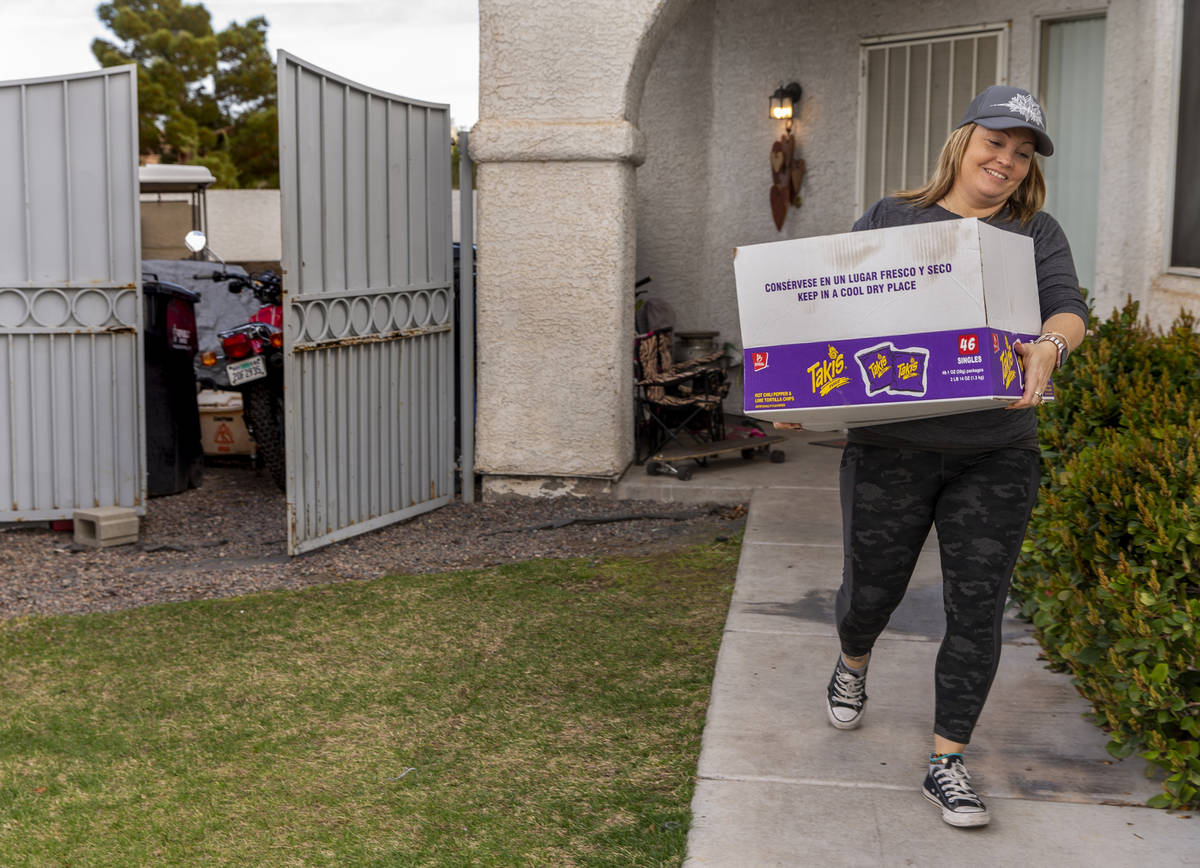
(174, 453)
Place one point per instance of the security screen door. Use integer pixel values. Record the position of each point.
(368, 305)
(72, 429)
(915, 88)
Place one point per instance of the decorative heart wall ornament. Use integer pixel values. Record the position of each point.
(779, 203)
(778, 158)
(796, 177)
(788, 142)
(787, 173)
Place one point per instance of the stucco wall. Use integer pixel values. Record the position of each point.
(1138, 154)
(243, 225)
(551, 60)
(555, 398)
(557, 143)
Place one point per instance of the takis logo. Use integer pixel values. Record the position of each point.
(759, 360)
(827, 373)
(1008, 364)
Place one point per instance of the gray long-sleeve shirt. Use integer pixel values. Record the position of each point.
(1058, 292)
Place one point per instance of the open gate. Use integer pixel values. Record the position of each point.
(368, 305)
(72, 428)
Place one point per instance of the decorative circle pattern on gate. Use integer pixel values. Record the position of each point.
(68, 310)
(385, 315)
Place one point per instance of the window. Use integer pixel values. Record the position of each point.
(914, 91)
(1185, 228)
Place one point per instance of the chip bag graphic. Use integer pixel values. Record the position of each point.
(893, 371)
(910, 371)
(877, 368)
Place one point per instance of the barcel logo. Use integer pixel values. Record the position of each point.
(827, 374)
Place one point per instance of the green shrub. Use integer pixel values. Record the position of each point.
(1108, 570)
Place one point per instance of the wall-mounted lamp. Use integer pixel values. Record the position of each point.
(784, 102)
(787, 169)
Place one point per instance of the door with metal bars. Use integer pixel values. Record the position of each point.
(369, 360)
(914, 90)
(72, 431)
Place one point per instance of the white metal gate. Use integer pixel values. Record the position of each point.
(368, 305)
(71, 422)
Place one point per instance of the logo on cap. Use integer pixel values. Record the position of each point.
(1024, 105)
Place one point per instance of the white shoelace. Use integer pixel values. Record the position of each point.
(955, 781)
(848, 687)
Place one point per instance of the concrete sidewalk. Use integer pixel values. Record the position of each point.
(777, 785)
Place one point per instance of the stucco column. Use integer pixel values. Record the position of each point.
(554, 303)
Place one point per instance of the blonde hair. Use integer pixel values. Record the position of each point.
(1025, 201)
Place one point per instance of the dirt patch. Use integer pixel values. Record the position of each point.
(228, 537)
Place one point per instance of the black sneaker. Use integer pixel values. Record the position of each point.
(846, 697)
(948, 785)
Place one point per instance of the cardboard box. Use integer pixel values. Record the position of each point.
(901, 323)
(222, 429)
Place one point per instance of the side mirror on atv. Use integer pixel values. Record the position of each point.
(195, 241)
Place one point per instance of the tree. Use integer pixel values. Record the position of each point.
(245, 88)
(204, 97)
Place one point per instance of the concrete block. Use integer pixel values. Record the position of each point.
(105, 526)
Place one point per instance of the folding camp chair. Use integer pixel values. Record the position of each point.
(679, 413)
(674, 398)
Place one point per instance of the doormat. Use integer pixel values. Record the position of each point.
(836, 444)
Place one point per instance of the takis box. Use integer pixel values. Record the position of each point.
(889, 324)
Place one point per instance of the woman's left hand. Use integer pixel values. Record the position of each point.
(1040, 360)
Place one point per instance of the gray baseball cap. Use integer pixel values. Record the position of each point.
(1001, 107)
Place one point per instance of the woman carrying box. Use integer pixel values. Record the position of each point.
(975, 475)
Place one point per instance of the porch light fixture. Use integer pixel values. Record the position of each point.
(784, 101)
(787, 168)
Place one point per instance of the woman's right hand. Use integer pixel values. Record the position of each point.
(788, 426)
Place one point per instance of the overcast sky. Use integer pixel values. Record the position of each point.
(425, 49)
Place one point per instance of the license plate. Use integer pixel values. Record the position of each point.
(246, 371)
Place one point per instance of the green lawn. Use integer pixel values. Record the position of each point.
(545, 713)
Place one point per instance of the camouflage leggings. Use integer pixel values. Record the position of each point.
(980, 503)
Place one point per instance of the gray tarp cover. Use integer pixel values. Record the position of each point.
(218, 310)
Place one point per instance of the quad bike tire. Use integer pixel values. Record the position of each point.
(264, 415)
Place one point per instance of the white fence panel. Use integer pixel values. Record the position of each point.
(71, 422)
(368, 305)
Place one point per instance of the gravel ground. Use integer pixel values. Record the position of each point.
(228, 538)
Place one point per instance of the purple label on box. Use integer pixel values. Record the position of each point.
(884, 370)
